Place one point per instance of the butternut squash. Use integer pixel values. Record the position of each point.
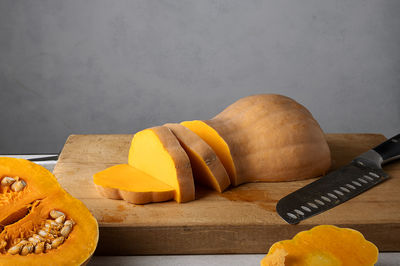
(266, 137)
(40, 223)
(323, 245)
(128, 183)
(157, 152)
(207, 168)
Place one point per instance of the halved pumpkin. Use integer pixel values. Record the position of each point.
(40, 223)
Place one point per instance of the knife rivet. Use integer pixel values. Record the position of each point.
(319, 202)
(291, 215)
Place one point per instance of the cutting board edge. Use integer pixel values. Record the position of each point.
(222, 240)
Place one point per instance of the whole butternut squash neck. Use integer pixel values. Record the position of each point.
(266, 137)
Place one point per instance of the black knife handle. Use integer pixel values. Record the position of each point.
(390, 149)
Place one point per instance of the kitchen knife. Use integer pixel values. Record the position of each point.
(361, 174)
(46, 158)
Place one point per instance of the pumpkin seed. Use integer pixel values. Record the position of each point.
(23, 242)
(52, 224)
(55, 214)
(7, 180)
(33, 240)
(39, 248)
(60, 219)
(50, 231)
(18, 185)
(38, 237)
(47, 246)
(69, 222)
(56, 242)
(28, 248)
(42, 233)
(66, 230)
(15, 249)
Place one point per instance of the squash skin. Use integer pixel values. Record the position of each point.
(207, 168)
(43, 194)
(323, 245)
(269, 138)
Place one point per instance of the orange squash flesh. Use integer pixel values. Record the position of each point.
(266, 137)
(126, 182)
(323, 245)
(157, 152)
(207, 168)
(24, 213)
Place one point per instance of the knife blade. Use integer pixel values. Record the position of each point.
(363, 173)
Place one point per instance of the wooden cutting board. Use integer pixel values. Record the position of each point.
(240, 220)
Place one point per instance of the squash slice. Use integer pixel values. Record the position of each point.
(207, 168)
(125, 182)
(157, 152)
(217, 143)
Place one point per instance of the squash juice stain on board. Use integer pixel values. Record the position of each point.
(106, 217)
(258, 197)
(121, 208)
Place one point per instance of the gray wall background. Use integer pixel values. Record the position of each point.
(99, 66)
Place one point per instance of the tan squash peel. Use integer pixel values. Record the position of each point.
(266, 137)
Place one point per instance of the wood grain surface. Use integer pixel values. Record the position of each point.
(240, 220)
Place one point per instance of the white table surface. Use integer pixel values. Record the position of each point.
(385, 258)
